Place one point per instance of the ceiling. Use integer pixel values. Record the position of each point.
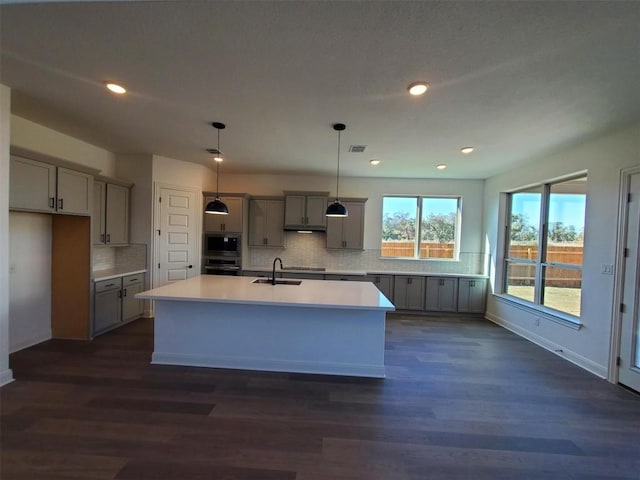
(513, 79)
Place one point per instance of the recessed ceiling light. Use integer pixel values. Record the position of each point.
(442, 166)
(375, 162)
(466, 150)
(115, 88)
(417, 88)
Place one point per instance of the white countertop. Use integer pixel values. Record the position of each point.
(363, 273)
(310, 293)
(108, 274)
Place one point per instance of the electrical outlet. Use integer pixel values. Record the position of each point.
(606, 269)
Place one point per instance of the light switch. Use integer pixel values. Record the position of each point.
(606, 269)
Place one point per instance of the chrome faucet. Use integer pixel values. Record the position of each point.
(273, 273)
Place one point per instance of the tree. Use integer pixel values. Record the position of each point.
(439, 228)
(559, 233)
(398, 226)
(521, 230)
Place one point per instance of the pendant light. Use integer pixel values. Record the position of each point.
(217, 207)
(337, 209)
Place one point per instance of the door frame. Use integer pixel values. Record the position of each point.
(616, 315)
(157, 186)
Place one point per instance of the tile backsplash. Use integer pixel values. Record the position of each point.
(309, 250)
(133, 256)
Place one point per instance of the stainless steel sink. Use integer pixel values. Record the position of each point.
(268, 281)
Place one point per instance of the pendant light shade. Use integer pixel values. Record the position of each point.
(337, 209)
(217, 207)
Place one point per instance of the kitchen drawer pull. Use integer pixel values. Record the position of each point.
(60, 204)
(52, 202)
(108, 238)
(109, 284)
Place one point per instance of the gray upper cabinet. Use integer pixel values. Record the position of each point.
(441, 294)
(231, 223)
(43, 187)
(472, 294)
(266, 222)
(74, 192)
(110, 214)
(305, 211)
(408, 292)
(347, 232)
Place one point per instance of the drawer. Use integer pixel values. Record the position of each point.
(107, 285)
(132, 279)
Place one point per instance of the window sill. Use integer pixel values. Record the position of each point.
(413, 259)
(545, 313)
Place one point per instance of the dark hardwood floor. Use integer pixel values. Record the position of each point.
(463, 399)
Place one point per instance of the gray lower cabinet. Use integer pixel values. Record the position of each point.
(132, 308)
(384, 284)
(441, 294)
(114, 302)
(107, 305)
(472, 293)
(408, 292)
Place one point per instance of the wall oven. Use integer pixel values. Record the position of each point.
(220, 266)
(221, 245)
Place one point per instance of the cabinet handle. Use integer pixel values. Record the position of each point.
(52, 202)
(125, 292)
(409, 281)
(60, 204)
(472, 283)
(135, 279)
(108, 238)
(377, 279)
(119, 293)
(302, 220)
(102, 239)
(109, 284)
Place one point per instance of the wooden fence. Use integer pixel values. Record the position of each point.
(554, 277)
(518, 274)
(427, 249)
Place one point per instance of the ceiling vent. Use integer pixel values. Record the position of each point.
(213, 151)
(357, 148)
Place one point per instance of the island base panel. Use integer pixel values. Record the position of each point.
(270, 338)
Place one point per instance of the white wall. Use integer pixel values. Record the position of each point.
(186, 174)
(35, 137)
(6, 375)
(603, 157)
(374, 189)
(30, 279)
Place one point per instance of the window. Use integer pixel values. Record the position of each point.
(420, 227)
(546, 268)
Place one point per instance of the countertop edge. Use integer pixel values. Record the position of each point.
(111, 274)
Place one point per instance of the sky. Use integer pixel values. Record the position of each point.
(435, 205)
(566, 208)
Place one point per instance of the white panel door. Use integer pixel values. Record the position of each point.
(179, 215)
(629, 369)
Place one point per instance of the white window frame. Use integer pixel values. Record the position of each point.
(418, 239)
(538, 263)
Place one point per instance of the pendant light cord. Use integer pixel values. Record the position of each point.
(218, 168)
(338, 171)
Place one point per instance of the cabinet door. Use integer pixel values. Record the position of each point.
(98, 220)
(353, 226)
(316, 210)
(132, 308)
(230, 223)
(294, 210)
(441, 294)
(117, 215)
(335, 232)
(107, 309)
(384, 284)
(408, 293)
(257, 222)
(32, 185)
(274, 227)
(74, 192)
(472, 295)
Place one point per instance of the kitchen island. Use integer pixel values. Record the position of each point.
(316, 326)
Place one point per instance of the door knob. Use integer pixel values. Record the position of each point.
(190, 266)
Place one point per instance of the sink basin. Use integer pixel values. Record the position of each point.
(268, 281)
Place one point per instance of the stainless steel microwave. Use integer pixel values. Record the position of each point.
(221, 245)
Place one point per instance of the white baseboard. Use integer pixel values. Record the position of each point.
(6, 377)
(31, 341)
(575, 358)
